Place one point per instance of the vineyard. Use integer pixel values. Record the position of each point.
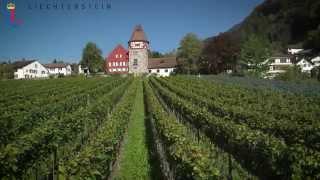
(156, 128)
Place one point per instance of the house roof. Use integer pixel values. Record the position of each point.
(55, 65)
(138, 34)
(305, 51)
(167, 62)
(20, 64)
(301, 61)
(119, 49)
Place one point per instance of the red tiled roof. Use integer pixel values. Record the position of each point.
(118, 50)
(167, 62)
(138, 34)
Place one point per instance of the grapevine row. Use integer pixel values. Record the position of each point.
(292, 132)
(263, 154)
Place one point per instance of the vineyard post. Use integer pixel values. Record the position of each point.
(230, 167)
(37, 166)
(55, 167)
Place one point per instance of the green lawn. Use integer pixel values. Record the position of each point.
(134, 157)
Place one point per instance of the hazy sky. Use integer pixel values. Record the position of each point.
(53, 32)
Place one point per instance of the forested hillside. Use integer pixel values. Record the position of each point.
(278, 24)
(282, 21)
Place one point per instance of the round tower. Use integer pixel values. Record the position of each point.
(138, 51)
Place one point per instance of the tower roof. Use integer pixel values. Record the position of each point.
(138, 34)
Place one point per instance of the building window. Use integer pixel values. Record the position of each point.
(166, 70)
(149, 70)
(60, 69)
(110, 64)
(158, 70)
(116, 63)
(123, 69)
(116, 55)
(283, 60)
(135, 62)
(36, 65)
(43, 72)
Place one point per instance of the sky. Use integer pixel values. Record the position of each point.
(46, 33)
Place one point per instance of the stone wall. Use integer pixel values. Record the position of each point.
(141, 55)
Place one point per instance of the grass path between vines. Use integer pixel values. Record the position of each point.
(133, 162)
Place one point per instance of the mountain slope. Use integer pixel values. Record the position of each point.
(282, 21)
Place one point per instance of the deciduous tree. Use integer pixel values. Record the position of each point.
(219, 53)
(254, 52)
(189, 53)
(92, 58)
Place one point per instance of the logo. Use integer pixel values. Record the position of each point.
(10, 14)
(63, 5)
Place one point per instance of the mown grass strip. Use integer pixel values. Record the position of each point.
(134, 158)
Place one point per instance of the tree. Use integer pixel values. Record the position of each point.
(155, 54)
(55, 61)
(254, 52)
(92, 58)
(172, 53)
(219, 54)
(315, 73)
(189, 53)
(313, 40)
(6, 70)
(293, 74)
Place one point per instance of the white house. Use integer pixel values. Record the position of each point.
(162, 66)
(83, 70)
(59, 69)
(316, 61)
(29, 69)
(305, 66)
(277, 65)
